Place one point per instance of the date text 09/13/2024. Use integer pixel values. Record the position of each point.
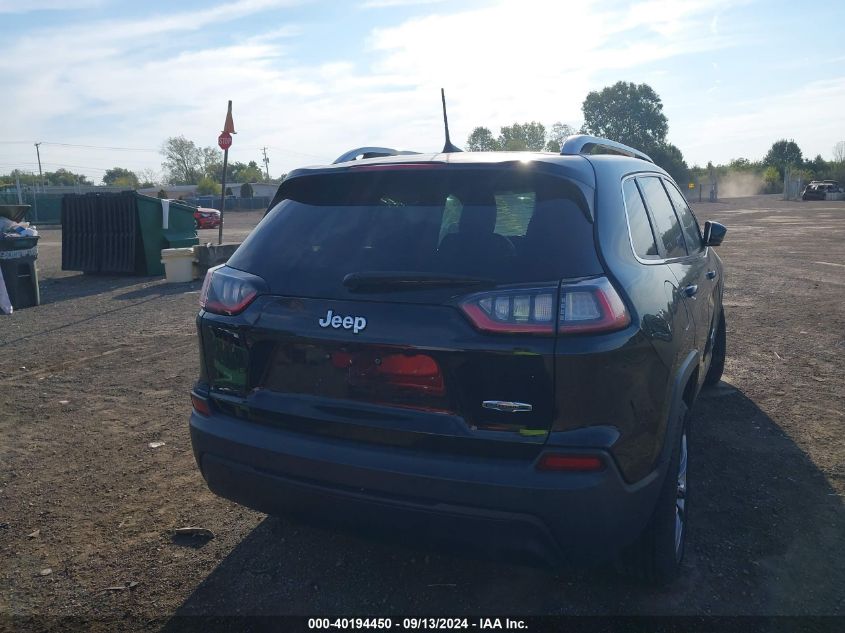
(416, 623)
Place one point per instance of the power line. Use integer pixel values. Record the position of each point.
(122, 149)
(48, 164)
(157, 150)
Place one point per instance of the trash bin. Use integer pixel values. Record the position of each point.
(178, 264)
(122, 232)
(20, 273)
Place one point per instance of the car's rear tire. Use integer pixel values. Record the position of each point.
(717, 360)
(656, 555)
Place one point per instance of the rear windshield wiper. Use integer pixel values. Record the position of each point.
(402, 280)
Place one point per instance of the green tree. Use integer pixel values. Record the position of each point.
(246, 190)
(783, 154)
(212, 162)
(819, 167)
(628, 113)
(557, 135)
(481, 140)
(183, 161)
(839, 152)
(521, 137)
(670, 158)
(148, 178)
(245, 172)
(162, 194)
(120, 177)
(207, 186)
(742, 164)
(633, 114)
(772, 179)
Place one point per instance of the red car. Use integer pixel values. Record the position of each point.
(207, 218)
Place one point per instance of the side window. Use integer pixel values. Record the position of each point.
(641, 235)
(692, 232)
(666, 226)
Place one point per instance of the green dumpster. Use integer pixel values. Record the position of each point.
(164, 224)
(122, 232)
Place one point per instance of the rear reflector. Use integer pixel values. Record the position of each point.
(201, 405)
(418, 372)
(570, 463)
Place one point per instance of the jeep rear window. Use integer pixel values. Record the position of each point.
(506, 225)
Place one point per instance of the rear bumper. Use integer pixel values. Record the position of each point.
(493, 507)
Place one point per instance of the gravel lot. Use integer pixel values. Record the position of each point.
(103, 368)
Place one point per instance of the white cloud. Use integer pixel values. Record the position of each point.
(384, 4)
(28, 6)
(748, 128)
(135, 82)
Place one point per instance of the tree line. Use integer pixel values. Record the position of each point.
(185, 163)
(768, 173)
(625, 112)
(633, 114)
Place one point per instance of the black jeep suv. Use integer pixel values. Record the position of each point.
(491, 350)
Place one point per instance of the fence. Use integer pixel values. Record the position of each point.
(232, 203)
(46, 207)
(702, 192)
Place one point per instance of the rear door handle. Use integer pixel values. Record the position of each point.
(691, 290)
(711, 274)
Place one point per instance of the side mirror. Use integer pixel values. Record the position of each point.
(714, 233)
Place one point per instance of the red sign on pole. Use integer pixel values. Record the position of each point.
(224, 140)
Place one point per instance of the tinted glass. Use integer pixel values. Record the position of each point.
(667, 227)
(641, 235)
(692, 232)
(511, 226)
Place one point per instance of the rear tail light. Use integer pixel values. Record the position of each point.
(526, 311)
(592, 305)
(570, 463)
(229, 291)
(201, 405)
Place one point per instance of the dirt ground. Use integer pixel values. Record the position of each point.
(103, 368)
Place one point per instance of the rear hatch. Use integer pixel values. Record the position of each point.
(412, 306)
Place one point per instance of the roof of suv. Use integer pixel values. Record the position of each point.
(576, 152)
(578, 166)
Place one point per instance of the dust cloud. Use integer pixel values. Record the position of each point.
(737, 184)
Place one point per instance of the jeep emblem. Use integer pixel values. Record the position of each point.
(354, 323)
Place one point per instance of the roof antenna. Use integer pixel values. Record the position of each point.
(448, 148)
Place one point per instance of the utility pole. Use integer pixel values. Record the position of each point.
(266, 164)
(40, 175)
(41, 180)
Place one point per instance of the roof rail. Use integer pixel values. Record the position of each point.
(585, 144)
(370, 152)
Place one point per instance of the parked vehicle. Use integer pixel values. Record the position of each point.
(207, 218)
(818, 189)
(497, 351)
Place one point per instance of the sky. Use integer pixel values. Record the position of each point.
(102, 83)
